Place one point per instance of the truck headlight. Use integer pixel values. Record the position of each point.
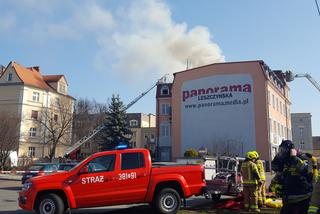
(26, 186)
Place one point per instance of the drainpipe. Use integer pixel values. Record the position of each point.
(45, 122)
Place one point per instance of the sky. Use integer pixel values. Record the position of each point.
(106, 47)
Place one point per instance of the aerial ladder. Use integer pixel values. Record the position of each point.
(289, 75)
(95, 131)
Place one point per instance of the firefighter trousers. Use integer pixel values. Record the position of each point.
(250, 196)
(295, 208)
(262, 193)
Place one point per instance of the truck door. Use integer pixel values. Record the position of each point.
(134, 176)
(97, 185)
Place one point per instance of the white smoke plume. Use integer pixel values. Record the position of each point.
(136, 38)
(149, 41)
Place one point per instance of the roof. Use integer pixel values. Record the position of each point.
(221, 63)
(30, 76)
(52, 78)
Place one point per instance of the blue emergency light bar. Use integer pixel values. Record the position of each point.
(122, 146)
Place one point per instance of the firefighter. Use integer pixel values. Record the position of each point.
(314, 206)
(297, 181)
(250, 176)
(313, 166)
(262, 185)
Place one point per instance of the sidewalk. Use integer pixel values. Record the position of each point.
(10, 177)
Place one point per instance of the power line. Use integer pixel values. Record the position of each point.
(317, 6)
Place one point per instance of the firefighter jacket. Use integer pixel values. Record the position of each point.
(315, 171)
(250, 174)
(276, 185)
(314, 206)
(261, 171)
(297, 181)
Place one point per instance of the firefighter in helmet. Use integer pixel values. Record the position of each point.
(262, 185)
(296, 180)
(250, 176)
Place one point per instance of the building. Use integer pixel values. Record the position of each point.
(143, 129)
(36, 100)
(316, 146)
(227, 108)
(302, 131)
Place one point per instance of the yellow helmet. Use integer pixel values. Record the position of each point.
(250, 155)
(256, 154)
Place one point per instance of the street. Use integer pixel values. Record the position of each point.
(9, 193)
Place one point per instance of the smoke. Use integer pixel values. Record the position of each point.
(148, 41)
(136, 39)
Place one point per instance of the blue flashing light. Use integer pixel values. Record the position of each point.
(122, 146)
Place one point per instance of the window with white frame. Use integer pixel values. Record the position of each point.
(164, 130)
(31, 151)
(36, 96)
(62, 88)
(32, 132)
(133, 122)
(165, 90)
(34, 114)
(56, 101)
(165, 109)
(9, 77)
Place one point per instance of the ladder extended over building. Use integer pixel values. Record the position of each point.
(95, 131)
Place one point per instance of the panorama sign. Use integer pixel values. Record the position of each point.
(217, 113)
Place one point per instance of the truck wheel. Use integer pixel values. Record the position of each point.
(168, 201)
(50, 204)
(215, 197)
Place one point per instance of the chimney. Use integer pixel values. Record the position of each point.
(37, 68)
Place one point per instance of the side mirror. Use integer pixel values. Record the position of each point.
(84, 170)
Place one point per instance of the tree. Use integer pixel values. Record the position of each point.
(9, 137)
(56, 121)
(88, 114)
(117, 129)
(191, 153)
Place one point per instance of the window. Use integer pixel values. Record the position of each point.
(165, 90)
(102, 164)
(268, 98)
(133, 123)
(34, 114)
(132, 160)
(277, 103)
(302, 144)
(273, 102)
(33, 132)
(165, 109)
(56, 101)
(164, 130)
(62, 88)
(280, 107)
(36, 96)
(301, 131)
(9, 77)
(87, 145)
(31, 151)
(55, 118)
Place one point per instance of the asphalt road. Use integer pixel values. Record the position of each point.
(9, 205)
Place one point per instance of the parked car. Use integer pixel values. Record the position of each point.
(66, 166)
(39, 169)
